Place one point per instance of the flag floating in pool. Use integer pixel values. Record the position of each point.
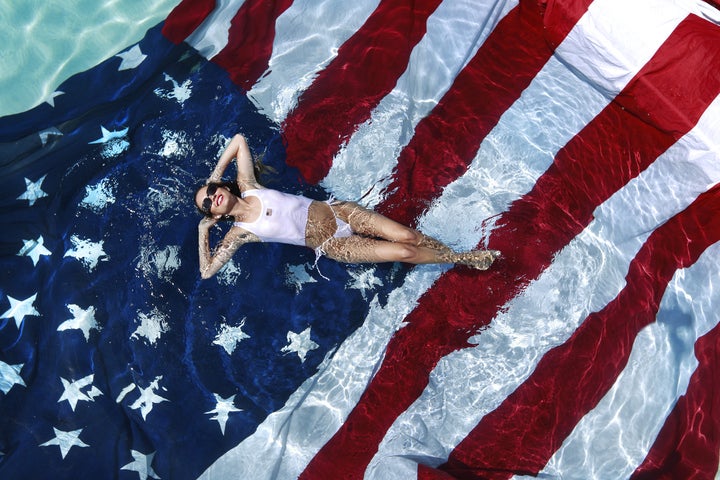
(579, 138)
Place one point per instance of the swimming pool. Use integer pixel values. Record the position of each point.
(579, 150)
(53, 40)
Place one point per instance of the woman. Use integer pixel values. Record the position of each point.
(344, 231)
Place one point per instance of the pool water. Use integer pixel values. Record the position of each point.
(598, 283)
(47, 42)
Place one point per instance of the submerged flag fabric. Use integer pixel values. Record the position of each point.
(579, 138)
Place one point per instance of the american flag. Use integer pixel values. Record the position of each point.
(579, 138)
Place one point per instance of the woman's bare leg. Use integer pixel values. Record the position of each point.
(403, 244)
(357, 249)
(370, 223)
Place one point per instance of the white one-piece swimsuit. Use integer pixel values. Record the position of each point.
(283, 218)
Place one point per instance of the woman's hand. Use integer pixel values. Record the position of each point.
(206, 223)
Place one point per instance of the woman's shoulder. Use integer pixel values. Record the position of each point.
(247, 186)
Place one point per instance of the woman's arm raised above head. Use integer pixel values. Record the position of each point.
(238, 149)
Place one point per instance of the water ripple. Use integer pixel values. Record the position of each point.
(52, 40)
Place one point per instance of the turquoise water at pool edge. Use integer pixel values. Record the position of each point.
(49, 41)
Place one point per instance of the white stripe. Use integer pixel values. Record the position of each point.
(608, 53)
(308, 36)
(212, 34)
(455, 31)
(621, 429)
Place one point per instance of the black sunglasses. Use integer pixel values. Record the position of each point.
(207, 203)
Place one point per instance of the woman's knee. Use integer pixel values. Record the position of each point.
(405, 252)
(396, 232)
(408, 235)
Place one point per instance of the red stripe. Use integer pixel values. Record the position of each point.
(447, 140)
(594, 165)
(344, 94)
(252, 32)
(561, 12)
(429, 473)
(688, 446)
(521, 435)
(185, 18)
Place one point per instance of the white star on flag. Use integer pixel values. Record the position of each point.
(89, 253)
(108, 135)
(45, 134)
(10, 376)
(175, 144)
(228, 337)
(160, 262)
(142, 464)
(364, 280)
(83, 319)
(222, 410)
(113, 143)
(131, 58)
(300, 343)
(298, 276)
(19, 309)
(33, 191)
(148, 398)
(229, 274)
(152, 326)
(98, 196)
(65, 440)
(73, 391)
(33, 249)
(178, 92)
(50, 99)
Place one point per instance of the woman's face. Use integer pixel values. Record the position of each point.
(213, 199)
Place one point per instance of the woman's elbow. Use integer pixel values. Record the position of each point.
(205, 274)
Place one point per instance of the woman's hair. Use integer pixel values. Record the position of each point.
(232, 187)
(260, 169)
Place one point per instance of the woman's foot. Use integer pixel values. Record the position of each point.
(477, 259)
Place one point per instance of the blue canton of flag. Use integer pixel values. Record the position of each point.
(115, 359)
